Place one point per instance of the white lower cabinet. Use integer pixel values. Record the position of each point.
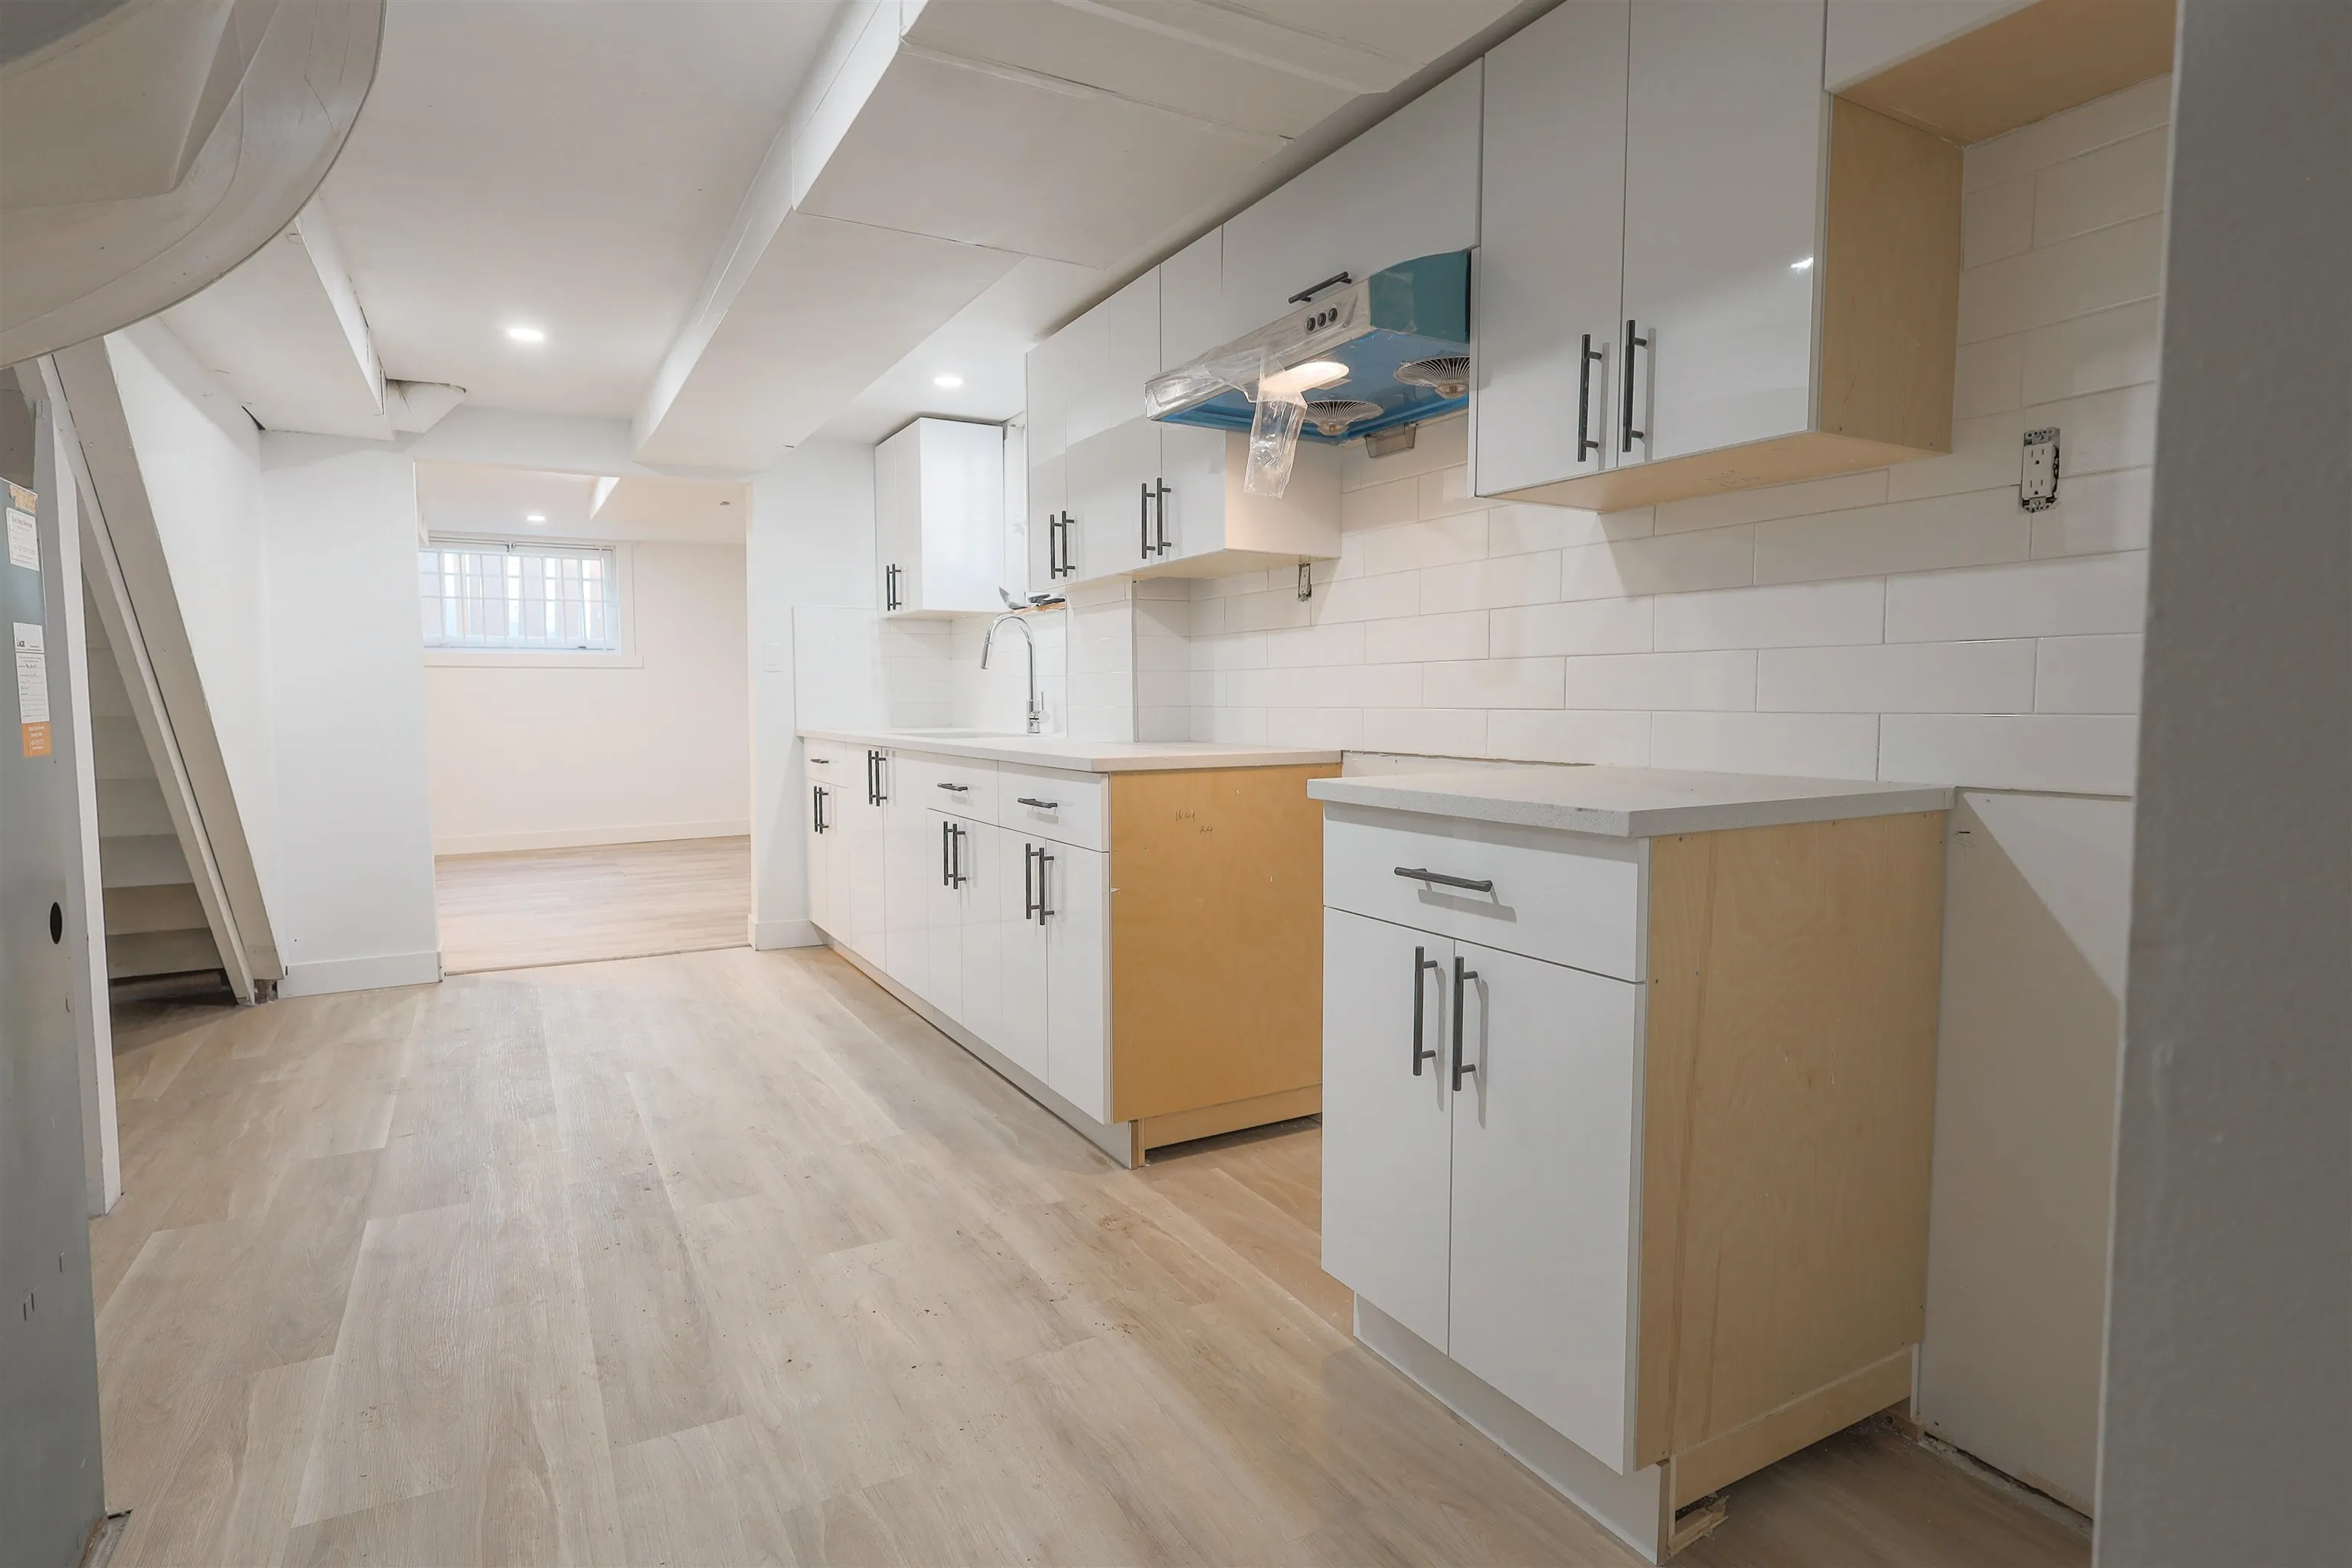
(1477, 1162)
(1000, 928)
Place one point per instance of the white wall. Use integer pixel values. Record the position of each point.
(811, 544)
(529, 754)
(201, 458)
(354, 907)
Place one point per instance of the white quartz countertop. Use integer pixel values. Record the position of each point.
(1628, 802)
(1078, 756)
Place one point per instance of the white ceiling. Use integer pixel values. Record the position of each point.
(490, 499)
(744, 223)
(571, 163)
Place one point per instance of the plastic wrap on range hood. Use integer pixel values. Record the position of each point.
(1418, 310)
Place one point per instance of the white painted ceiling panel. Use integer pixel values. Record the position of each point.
(271, 328)
(829, 307)
(495, 499)
(994, 155)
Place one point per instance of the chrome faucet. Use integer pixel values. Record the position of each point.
(1036, 702)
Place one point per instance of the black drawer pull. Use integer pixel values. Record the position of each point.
(1040, 804)
(1421, 874)
(959, 789)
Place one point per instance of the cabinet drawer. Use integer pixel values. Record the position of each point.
(1562, 897)
(833, 763)
(1069, 808)
(953, 785)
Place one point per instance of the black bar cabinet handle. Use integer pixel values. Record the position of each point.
(1308, 294)
(1144, 515)
(1462, 977)
(1625, 372)
(1040, 804)
(1159, 494)
(1028, 895)
(947, 865)
(1585, 444)
(1423, 874)
(816, 808)
(1421, 961)
(959, 789)
(1043, 860)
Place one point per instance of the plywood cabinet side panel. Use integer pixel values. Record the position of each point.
(1810, 455)
(1803, 1211)
(1216, 937)
(1890, 281)
(1681, 907)
(2025, 66)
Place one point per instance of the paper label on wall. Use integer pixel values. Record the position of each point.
(32, 690)
(24, 540)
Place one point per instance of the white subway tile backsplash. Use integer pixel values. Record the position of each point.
(2097, 513)
(1725, 679)
(1365, 599)
(1427, 732)
(1462, 634)
(1968, 529)
(2041, 598)
(1806, 745)
(1997, 221)
(1440, 542)
(1492, 683)
(2120, 181)
(1380, 506)
(1664, 563)
(1338, 642)
(1489, 584)
(2087, 675)
(1800, 500)
(2068, 135)
(1447, 491)
(1575, 625)
(2102, 431)
(1315, 728)
(1989, 376)
(1521, 528)
(2097, 352)
(1265, 611)
(1899, 677)
(1793, 614)
(2067, 754)
(2089, 272)
(1547, 735)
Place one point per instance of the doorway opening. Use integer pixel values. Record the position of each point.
(588, 706)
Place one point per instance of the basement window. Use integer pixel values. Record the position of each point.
(520, 595)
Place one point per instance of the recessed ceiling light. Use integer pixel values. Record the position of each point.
(534, 517)
(1801, 266)
(949, 379)
(523, 334)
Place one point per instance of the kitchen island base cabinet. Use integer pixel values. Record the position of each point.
(1673, 1220)
(1139, 949)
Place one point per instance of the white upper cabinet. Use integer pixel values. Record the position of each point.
(939, 515)
(1131, 349)
(1550, 245)
(1049, 395)
(1082, 352)
(1725, 142)
(1865, 37)
(1407, 188)
(1192, 299)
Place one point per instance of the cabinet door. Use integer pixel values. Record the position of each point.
(1407, 188)
(899, 521)
(1191, 514)
(962, 520)
(1020, 1027)
(910, 865)
(1048, 399)
(1078, 968)
(861, 853)
(1131, 348)
(1543, 1193)
(1111, 474)
(943, 920)
(1082, 351)
(1387, 1136)
(1550, 249)
(1192, 301)
(1049, 498)
(820, 867)
(979, 917)
(1725, 128)
(839, 864)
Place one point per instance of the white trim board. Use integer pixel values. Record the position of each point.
(334, 974)
(588, 838)
(769, 936)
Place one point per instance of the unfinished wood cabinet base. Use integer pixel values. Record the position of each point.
(1209, 1120)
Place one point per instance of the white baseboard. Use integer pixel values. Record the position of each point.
(361, 973)
(767, 936)
(588, 838)
(1627, 1505)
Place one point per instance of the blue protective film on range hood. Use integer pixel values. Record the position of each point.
(1417, 309)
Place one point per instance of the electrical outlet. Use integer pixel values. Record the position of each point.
(2037, 480)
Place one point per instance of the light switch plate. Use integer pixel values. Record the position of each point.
(2037, 481)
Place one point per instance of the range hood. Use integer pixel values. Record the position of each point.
(1372, 353)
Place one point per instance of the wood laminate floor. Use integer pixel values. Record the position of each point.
(536, 907)
(725, 1257)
